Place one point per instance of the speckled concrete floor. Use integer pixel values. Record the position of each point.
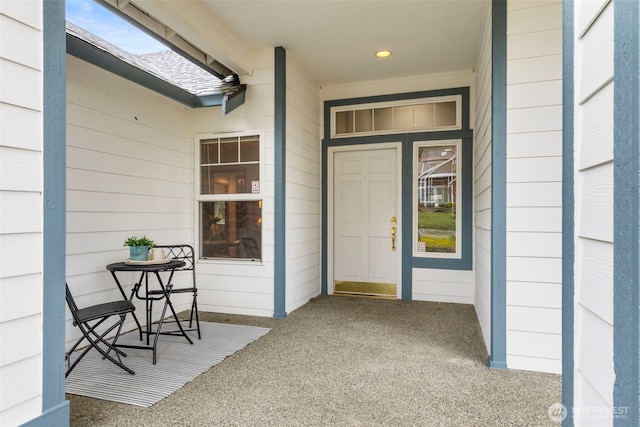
(342, 361)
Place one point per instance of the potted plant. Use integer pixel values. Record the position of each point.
(139, 248)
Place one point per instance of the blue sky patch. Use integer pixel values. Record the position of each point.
(103, 23)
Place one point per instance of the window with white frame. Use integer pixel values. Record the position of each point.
(437, 196)
(228, 196)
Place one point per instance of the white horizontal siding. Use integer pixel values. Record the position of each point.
(14, 331)
(128, 150)
(21, 207)
(303, 205)
(596, 141)
(528, 269)
(596, 269)
(542, 245)
(596, 203)
(535, 169)
(536, 144)
(534, 294)
(482, 183)
(534, 351)
(594, 56)
(589, 399)
(543, 320)
(21, 212)
(28, 12)
(21, 390)
(534, 183)
(17, 130)
(593, 147)
(24, 50)
(534, 44)
(594, 350)
(243, 287)
(533, 18)
(22, 84)
(534, 119)
(455, 286)
(534, 219)
(534, 194)
(21, 169)
(536, 69)
(20, 296)
(534, 94)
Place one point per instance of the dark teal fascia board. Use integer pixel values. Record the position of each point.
(280, 161)
(568, 210)
(100, 58)
(209, 101)
(231, 101)
(498, 357)
(55, 409)
(626, 212)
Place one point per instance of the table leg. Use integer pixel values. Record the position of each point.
(166, 290)
(130, 298)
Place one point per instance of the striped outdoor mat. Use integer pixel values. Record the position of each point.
(178, 363)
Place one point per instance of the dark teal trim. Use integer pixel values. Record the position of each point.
(626, 213)
(568, 211)
(498, 357)
(324, 248)
(100, 58)
(55, 410)
(57, 416)
(231, 101)
(280, 161)
(407, 218)
(465, 134)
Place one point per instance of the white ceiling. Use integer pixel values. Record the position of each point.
(334, 40)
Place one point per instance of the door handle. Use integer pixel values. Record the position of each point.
(393, 238)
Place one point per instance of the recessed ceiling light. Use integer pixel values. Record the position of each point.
(383, 53)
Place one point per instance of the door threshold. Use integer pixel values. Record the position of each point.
(363, 295)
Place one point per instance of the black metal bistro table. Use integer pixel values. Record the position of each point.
(142, 293)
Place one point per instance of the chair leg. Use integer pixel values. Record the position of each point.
(96, 344)
(194, 309)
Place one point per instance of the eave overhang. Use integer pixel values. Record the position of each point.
(100, 58)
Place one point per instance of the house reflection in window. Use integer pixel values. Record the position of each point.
(437, 175)
(231, 229)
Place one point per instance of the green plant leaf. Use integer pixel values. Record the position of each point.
(135, 241)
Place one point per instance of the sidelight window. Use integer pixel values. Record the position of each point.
(437, 197)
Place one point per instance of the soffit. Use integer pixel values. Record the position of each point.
(334, 41)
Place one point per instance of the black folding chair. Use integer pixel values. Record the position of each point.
(88, 319)
(182, 253)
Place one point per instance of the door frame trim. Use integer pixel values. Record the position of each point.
(329, 203)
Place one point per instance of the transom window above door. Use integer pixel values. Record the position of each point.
(416, 115)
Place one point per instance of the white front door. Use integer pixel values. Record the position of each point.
(366, 221)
